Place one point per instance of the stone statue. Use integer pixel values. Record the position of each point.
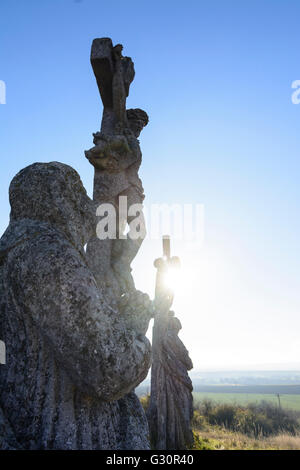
(72, 359)
(171, 402)
(116, 157)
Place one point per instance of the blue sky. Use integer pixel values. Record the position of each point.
(215, 78)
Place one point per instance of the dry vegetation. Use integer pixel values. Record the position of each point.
(221, 439)
(253, 427)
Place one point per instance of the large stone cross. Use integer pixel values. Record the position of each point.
(114, 74)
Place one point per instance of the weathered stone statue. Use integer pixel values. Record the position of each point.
(171, 402)
(72, 361)
(116, 157)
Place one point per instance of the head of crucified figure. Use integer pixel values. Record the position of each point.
(137, 119)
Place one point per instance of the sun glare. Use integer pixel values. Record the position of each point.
(172, 279)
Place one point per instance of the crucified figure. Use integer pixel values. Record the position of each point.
(116, 157)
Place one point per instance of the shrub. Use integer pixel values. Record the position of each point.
(223, 415)
(199, 421)
(204, 443)
(264, 419)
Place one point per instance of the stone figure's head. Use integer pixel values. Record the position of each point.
(53, 192)
(137, 119)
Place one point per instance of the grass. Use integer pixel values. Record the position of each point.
(216, 438)
(287, 401)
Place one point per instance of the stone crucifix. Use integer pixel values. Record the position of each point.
(171, 402)
(116, 157)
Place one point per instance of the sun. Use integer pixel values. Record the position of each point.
(172, 279)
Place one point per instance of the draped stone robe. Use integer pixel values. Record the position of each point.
(71, 360)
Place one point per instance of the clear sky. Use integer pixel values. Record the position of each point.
(215, 78)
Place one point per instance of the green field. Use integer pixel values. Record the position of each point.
(286, 400)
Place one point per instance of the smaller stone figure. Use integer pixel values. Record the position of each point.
(171, 402)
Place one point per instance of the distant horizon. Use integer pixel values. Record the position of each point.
(254, 368)
(270, 369)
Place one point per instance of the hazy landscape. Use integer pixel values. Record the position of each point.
(243, 387)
